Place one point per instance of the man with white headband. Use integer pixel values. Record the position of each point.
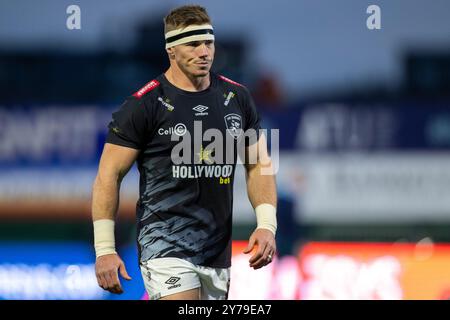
(184, 212)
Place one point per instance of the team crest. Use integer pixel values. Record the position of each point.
(233, 122)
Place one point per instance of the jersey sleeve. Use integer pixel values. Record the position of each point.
(130, 125)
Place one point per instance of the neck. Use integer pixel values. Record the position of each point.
(186, 82)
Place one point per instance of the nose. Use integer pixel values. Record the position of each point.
(203, 50)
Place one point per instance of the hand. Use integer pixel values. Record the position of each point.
(106, 271)
(265, 241)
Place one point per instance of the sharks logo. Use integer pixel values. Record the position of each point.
(233, 122)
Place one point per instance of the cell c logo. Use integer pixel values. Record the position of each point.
(180, 129)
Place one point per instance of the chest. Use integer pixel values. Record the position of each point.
(198, 116)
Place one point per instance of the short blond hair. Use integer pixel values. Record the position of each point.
(185, 16)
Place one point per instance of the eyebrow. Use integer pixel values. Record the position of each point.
(197, 42)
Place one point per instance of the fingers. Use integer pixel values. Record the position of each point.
(268, 254)
(107, 274)
(266, 249)
(101, 281)
(123, 272)
(258, 260)
(265, 259)
(113, 282)
(251, 244)
(115, 286)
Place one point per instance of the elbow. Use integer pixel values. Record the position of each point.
(263, 168)
(103, 179)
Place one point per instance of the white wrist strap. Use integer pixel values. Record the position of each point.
(266, 217)
(104, 242)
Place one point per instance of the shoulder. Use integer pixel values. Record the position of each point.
(147, 89)
(140, 100)
(228, 80)
(142, 97)
(236, 87)
(241, 91)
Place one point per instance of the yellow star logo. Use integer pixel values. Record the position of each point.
(204, 155)
(116, 129)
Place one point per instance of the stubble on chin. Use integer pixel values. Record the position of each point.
(202, 72)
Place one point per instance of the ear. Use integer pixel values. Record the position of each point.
(171, 53)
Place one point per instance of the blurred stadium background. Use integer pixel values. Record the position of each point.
(364, 119)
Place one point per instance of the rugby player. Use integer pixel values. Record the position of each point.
(184, 211)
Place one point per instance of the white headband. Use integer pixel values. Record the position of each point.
(189, 34)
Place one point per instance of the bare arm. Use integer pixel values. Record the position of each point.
(261, 189)
(115, 163)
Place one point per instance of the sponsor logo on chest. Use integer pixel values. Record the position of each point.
(228, 98)
(179, 129)
(165, 103)
(200, 110)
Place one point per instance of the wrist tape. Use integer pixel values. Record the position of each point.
(104, 242)
(266, 217)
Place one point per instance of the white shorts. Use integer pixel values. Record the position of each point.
(166, 276)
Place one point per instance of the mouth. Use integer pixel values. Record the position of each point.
(202, 63)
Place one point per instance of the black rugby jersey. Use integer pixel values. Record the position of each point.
(186, 197)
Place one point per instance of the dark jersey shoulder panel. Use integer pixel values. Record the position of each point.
(252, 123)
(246, 101)
(132, 124)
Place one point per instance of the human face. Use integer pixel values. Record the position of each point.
(195, 58)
